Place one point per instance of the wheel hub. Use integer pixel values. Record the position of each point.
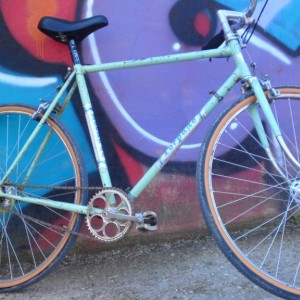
(295, 191)
(7, 204)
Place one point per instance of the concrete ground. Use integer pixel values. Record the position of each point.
(179, 269)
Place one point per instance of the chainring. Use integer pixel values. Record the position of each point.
(103, 227)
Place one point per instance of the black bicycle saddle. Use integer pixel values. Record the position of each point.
(64, 31)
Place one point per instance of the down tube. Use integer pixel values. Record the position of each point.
(183, 136)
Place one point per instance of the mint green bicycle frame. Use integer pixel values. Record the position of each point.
(77, 78)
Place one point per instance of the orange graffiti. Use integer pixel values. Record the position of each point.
(21, 18)
(38, 9)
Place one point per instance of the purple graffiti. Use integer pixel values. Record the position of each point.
(150, 106)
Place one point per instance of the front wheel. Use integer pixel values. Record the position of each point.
(251, 208)
(31, 243)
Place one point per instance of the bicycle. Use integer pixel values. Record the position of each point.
(247, 172)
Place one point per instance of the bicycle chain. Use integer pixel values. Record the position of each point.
(54, 187)
(49, 225)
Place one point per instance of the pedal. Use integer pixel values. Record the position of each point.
(148, 221)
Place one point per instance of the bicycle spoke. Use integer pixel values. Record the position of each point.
(254, 203)
(34, 238)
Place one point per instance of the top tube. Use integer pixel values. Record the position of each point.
(173, 58)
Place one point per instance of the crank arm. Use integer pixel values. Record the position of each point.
(116, 216)
(144, 220)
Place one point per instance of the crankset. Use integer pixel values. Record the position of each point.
(116, 218)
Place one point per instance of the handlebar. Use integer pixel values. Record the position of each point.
(249, 12)
(241, 18)
(231, 20)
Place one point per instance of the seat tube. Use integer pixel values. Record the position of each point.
(93, 129)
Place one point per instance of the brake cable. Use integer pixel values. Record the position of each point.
(246, 36)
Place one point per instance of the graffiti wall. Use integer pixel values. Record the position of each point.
(140, 111)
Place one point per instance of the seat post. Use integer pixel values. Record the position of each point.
(74, 52)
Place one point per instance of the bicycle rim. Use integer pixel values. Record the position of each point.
(29, 249)
(252, 210)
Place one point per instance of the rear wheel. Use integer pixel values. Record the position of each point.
(252, 209)
(30, 244)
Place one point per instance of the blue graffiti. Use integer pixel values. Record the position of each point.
(280, 21)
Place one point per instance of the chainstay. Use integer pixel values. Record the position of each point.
(49, 225)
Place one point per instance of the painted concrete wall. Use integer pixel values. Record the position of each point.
(142, 110)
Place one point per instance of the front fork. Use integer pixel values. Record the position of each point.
(265, 106)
